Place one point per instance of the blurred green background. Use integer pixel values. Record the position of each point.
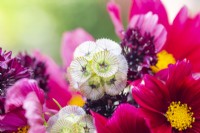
(26, 25)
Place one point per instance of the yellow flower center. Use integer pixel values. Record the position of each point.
(164, 59)
(22, 129)
(180, 116)
(77, 100)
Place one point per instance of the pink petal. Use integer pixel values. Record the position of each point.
(34, 113)
(155, 6)
(58, 87)
(148, 23)
(70, 41)
(17, 93)
(183, 38)
(12, 120)
(114, 12)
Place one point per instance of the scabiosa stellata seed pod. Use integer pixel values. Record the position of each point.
(105, 64)
(99, 72)
(93, 88)
(97, 67)
(70, 119)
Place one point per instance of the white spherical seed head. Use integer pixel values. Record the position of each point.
(115, 84)
(85, 49)
(92, 89)
(80, 70)
(109, 45)
(76, 111)
(73, 84)
(87, 122)
(105, 64)
(52, 120)
(67, 120)
(123, 65)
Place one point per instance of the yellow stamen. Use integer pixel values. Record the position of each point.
(77, 100)
(180, 116)
(22, 129)
(164, 59)
(57, 103)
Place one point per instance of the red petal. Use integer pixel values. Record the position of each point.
(176, 75)
(126, 119)
(151, 94)
(183, 38)
(156, 121)
(100, 123)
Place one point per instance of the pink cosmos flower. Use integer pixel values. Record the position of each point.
(182, 33)
(24, 108)
(126, 119)
(170, 100)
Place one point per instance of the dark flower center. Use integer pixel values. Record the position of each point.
(37, 68)
(139, 51)
(106, 105)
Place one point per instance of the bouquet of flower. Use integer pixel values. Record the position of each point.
(147, 82)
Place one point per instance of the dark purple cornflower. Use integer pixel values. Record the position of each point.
(140, 53)
(38, 69)
(142, 40)
(10, 71)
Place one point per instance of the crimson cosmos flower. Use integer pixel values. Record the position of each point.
(182, 33)
(170, 100)
(126, 119)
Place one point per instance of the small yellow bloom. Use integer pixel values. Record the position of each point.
(164, 59)
(77, 100)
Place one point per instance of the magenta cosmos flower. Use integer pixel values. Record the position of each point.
(141, 42)
(171, 101)
(24, 108)
(182, 33)
(126, 119)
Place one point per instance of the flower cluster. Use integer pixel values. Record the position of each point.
(98, 68)
(148, 82)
